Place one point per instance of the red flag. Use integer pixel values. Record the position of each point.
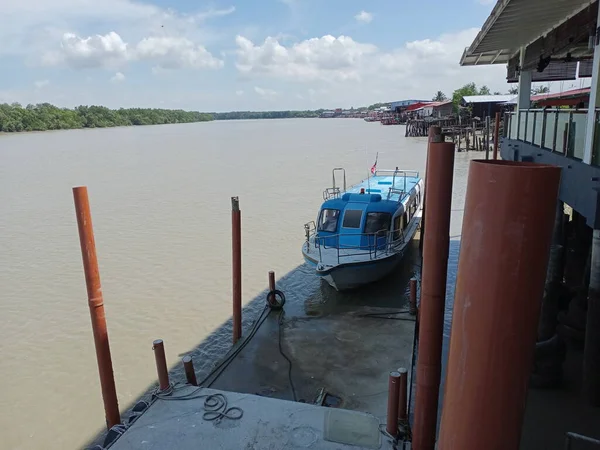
(374, 167)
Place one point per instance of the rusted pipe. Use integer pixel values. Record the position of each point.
(96, 305)
(190, 373)
(413, 296)
(392, 411)
(161, 364)
(272, 298)
(433, 293)
(495, 319)
(236, 251)
(591, 352)
(434, 135)
(403, 395)
(496, 136)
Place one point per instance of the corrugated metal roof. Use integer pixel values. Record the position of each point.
(488, 98)
(516, 23)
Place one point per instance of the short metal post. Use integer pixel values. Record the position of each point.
(403, 395)
(236, 243)
(190, 373)
(392, 411)
(96, 306)
(161, 364)
(496, 135)
(413, 296)
(272, 298)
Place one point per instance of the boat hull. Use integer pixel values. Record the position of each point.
(351, 276)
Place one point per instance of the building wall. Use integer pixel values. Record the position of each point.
(578, 185)
(443, 110)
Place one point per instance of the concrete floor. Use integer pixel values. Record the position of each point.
(332, 346)
(265, 423)
(550, 414)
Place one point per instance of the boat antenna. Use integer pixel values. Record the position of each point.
(369, 172)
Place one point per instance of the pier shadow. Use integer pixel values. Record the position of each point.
(307, 296)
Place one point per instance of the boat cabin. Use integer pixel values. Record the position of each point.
(364, 220)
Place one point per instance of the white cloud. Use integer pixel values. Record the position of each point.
(266, 93)
(364, 17)
(313, 59)
(211, 13)
(176, 53)
(110, 51)
(93, 51)
(416, 69)
(41, 83)
(117, 77)
(239, 93)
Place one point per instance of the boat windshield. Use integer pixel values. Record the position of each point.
(377, 221)
(328, 220)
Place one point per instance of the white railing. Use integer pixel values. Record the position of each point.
(557, 130)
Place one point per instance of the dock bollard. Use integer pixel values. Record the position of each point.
(392, 410)
(161, 364)
(272, 299)
(190, 373)
(96, 306)
(413, 297)
(403, 395)
(236, 262)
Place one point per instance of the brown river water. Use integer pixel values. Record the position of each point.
(160, 199)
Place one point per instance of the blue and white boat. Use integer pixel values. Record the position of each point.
(362, 232)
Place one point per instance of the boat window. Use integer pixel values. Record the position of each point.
(329, 220)
(377, 221)
(352, 218)
(398, 226)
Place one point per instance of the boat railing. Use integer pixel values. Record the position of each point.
(332, 192)
(378, 244)
(393, 191)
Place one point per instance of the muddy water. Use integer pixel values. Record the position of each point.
(160, 200)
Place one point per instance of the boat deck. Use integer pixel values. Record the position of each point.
(341, 349)
(380, 184)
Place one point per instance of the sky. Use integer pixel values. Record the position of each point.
(225, 55)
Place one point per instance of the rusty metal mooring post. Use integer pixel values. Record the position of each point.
(236, 251)
(96, 305)
(161, 364)
(591, 351)
(403, 395)
(433, 292)
(496, 136)
(190, 373)
(272, 298)
(413, 297)
(393, 396)
(495, 320)
(435, 135)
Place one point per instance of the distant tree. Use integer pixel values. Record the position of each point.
(439, 97)
(540, 90)
(458, 94)
(514, 90)
(497, 93)
(484, 90)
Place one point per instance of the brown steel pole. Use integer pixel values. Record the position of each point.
(393, 396)
(435, 135)
(236, 242)
(190, 373)
(96, 305)
(161, 364)
(496, 136)
(500, 284)
(433, 293)
(271, 286)
(403, 395)
(413, 297)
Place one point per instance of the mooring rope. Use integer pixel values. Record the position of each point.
(215, 405)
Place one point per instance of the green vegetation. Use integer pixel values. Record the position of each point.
(45, 116)
(439, 97)
(237, 115)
